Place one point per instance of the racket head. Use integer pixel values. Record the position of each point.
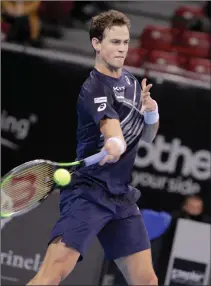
(25, 186)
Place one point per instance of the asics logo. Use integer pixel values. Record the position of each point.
(101, 107)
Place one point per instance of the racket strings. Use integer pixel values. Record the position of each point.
(26, 188)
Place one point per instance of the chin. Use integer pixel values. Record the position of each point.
(117, 67)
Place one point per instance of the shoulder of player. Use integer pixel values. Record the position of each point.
(92, 87)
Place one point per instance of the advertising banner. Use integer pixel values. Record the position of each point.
(178, 163)
(38, 116)
(185, 272)
(189, 262)
(24, 242)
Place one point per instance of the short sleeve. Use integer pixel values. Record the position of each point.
(99, 103)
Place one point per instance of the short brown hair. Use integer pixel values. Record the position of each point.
(106, 20)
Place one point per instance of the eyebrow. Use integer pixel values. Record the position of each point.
(119, 40)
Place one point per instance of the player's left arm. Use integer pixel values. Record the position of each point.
(149, 132)
(149, 109)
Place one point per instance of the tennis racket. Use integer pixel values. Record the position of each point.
(29, 184)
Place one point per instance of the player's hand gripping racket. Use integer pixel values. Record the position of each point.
(27, 185)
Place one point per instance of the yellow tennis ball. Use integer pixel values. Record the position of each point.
(62, 177)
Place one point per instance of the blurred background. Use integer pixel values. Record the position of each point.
(45, 58)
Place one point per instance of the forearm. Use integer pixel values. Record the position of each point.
(151, 125)
(149, 132)
(114, 142)
(111, 128)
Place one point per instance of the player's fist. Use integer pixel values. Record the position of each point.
(148, 104)
(114, 152)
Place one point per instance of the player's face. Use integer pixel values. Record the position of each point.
(114, 46)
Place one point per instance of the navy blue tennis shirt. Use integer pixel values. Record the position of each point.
(102, 97)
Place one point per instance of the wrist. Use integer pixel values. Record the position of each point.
(120, 142)
(151, 117)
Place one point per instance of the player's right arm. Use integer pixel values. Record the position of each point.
(114, 142)
(99, 103)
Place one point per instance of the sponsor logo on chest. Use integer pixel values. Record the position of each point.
(119, 92)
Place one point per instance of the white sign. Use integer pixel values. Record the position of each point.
(189, 263)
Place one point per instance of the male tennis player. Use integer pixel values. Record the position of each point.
(99, 200)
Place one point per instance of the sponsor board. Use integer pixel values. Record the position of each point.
(15, 129)
(176, 168)
(185, 272)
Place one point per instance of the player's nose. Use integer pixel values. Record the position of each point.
(122, 48)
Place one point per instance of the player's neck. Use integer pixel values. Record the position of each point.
(107, 71)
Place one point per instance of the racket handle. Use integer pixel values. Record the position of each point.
(95, 158)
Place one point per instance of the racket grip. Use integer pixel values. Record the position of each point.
(95, 158)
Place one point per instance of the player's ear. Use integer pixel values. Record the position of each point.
(96, 44)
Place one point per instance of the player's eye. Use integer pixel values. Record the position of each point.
(116, 42)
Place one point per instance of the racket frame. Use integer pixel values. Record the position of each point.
(93, 159)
